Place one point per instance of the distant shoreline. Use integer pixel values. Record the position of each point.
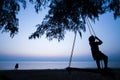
(51, 65)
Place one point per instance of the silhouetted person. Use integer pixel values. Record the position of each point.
(16, 66)
(96, 53)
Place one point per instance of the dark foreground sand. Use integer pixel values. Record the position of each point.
(60, 74)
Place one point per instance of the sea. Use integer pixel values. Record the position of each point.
(32, 65)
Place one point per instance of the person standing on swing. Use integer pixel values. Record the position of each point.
(96, 53)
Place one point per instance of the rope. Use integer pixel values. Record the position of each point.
(72, 49)
(90, 27)
(101, 63)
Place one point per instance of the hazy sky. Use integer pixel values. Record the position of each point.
(20, 47)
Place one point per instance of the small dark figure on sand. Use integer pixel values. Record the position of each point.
(16, 66)
(96, 53)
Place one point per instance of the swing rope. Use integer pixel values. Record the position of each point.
(72, 49)
(90, 27)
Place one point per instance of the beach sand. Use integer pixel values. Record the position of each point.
(60, 74)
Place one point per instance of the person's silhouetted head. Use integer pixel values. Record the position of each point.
(92, 38)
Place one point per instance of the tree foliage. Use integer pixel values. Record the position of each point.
(71, 15)
(8, 11)
(64, 15)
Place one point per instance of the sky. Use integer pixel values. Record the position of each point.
(21, 48)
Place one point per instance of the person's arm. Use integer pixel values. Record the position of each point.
(99, 41)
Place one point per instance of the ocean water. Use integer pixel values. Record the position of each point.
(26, 65)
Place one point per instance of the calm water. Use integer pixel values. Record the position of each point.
(51, 65)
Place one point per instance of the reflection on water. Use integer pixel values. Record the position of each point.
(51, 65)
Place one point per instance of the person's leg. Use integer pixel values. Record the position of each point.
(105, 58)
(98, 64)
(106, 61)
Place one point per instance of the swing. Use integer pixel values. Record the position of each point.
(88, 23)
(91, 31)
